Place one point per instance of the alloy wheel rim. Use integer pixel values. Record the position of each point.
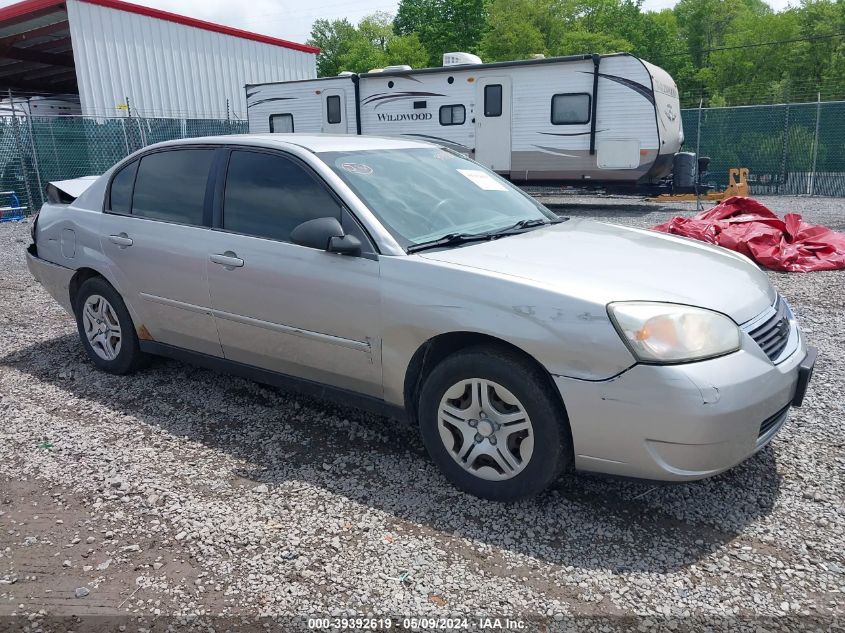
(485, 429)
(102, 327)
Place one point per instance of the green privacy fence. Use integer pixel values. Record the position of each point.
(790, 149)
(37, 150)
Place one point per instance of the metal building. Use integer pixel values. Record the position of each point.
(118, 56)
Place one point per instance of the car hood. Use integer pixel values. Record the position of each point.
(605, 262)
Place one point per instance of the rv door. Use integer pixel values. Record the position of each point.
(334, 111)
(493, 123)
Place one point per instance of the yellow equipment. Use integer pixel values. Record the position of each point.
(737, 186)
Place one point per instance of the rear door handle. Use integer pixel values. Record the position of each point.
(228, 259)
(121, 239)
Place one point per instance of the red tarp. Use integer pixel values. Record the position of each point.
(745, 225)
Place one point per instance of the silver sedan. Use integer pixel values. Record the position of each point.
(394, 275)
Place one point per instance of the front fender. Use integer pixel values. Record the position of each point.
(422, 299)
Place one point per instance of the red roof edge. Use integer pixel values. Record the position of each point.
(32, 6)
(27, 6)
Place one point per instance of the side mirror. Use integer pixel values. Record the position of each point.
(325, 234)
(346, 245)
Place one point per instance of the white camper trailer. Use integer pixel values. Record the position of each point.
(580, 119)
(42, 106)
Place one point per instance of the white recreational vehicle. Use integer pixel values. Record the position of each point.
(585, 118)
(41, 106)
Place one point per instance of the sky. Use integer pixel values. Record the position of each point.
(291, 20)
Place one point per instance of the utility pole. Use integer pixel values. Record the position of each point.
(811, 189)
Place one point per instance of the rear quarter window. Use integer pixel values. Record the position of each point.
(120, 194)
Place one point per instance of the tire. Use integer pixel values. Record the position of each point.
(511, 460)
(100, 311)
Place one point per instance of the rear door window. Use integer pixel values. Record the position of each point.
(269, 195)
(171, 185)
(120, 196)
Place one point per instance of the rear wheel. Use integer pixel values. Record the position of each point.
(491, 422)
(106, 329)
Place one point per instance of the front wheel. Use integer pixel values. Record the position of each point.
(491, 422)
(106, 329)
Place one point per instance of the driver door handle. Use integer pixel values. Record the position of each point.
(228, 259)
(121, 239)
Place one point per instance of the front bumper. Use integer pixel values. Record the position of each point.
(684, 422)
(54, 278)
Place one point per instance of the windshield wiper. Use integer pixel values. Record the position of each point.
(527, 224)
(450, 239)
(453, 239)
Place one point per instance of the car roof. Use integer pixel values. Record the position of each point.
(314, 142)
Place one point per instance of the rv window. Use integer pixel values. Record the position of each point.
(281, 123)
(453, 114)
(333, 109)
(569, 109)
(493, 100)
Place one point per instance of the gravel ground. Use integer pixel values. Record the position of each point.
(180, 492)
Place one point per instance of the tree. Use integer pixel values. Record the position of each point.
(511, 34)
(657, 38)
(578, 42)
(442, 25)
(406, 49)
(615, 17)
(333, 37)
(819, 61)
(726, 51)
(377, 29)
(362, 56)
(518, 29)
(374, 44)
(763, 67)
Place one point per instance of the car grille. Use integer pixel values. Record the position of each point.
(771, 422)
(772, 335)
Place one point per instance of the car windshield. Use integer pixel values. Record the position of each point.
(424, 194)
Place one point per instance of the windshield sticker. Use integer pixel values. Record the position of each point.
(357, 168)
(482, 180)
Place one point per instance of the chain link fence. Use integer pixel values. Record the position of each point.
(37, 150)
(790, 149)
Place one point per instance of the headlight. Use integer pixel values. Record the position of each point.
(669, 333)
